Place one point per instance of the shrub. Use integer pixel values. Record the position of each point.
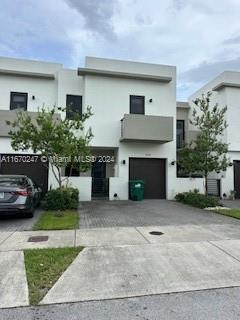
(197, 199)
(61, 199)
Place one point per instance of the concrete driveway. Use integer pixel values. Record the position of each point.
(13, 223)
(104, 214)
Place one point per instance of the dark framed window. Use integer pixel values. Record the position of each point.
(180, 133)
(72, 172)
(73, 105)
(137, 104)
(18, 100)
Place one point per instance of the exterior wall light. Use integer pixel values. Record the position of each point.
(33, 97)
(173, 163)
(230, 164)
(124, 162)
(150, 100)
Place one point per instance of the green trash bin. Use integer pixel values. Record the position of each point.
(136, 190)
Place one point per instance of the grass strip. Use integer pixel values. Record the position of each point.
(44, 267)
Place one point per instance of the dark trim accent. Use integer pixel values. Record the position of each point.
(124, 75)
(130, 103)
(183, 138)
(236, 177)
(24, 94)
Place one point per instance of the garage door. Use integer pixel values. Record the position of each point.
(153, 172)
(29, 165)
(237, 178)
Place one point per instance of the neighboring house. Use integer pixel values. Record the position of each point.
(134, 122)
(226, 91)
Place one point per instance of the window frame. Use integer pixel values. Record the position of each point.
(130, 107)
(24, 94)
(183, 135)
(68, 115)
(75, 172)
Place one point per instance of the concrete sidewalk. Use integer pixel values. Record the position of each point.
(118, 236)
(125, 262)
(13, 282)
(129, 271)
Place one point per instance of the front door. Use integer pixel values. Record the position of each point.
(99, 181)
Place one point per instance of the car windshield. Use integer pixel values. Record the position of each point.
(11, 181)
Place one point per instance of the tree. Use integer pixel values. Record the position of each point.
(62, 142)
(207, 153)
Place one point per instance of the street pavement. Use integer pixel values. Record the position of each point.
(218, 304)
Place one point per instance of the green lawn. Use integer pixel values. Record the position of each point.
(50, 220)
(44, 267)
(235, 213)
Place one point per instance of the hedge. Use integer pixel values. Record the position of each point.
(61, 199)
(197, 199)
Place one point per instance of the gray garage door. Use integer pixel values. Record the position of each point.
(29, 165)
(153, 172)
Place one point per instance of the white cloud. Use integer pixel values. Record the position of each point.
(200, 37)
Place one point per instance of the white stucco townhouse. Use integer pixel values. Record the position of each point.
(226, 92)
(134, 122)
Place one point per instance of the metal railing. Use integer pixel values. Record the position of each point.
(100, 187)
(214, 187)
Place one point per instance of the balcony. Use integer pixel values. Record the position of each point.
(142, 128)
(11, 115)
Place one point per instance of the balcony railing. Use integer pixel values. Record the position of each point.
(11, 115)
(138, 127)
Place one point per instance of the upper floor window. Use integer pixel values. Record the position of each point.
(137, 104)
(73, 105)
(180, 133)
(18, 100)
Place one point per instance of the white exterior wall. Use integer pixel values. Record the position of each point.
(233, 118)
(69, 83)
(230, 97)
(45, 91)
(110, 100)
(187, 184)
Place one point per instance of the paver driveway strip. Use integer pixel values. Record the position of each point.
(105, 214)
(126, 271)
(13, 282)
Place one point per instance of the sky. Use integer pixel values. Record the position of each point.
(200, 37)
